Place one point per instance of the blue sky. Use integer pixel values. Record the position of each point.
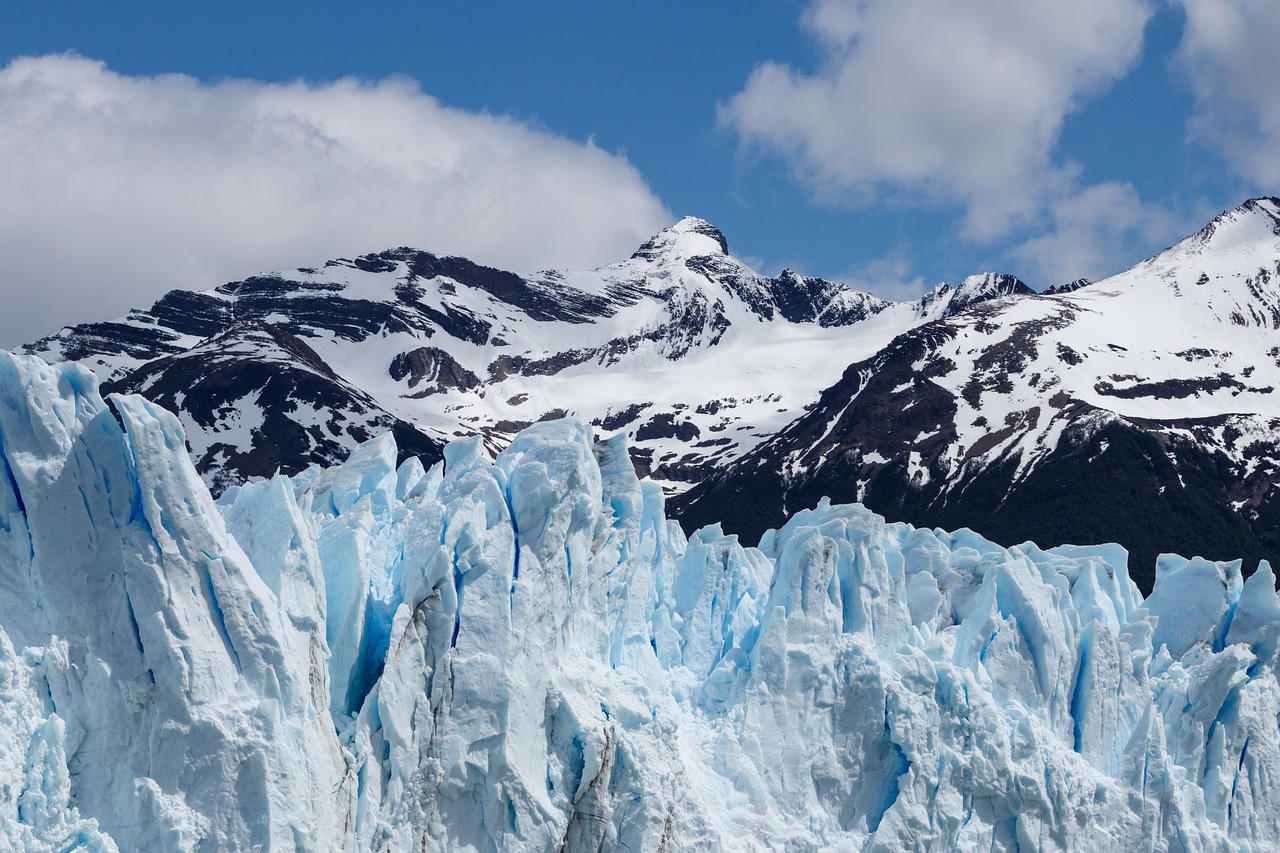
(890, 143)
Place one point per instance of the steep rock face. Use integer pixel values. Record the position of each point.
(256, 400)
(522, 653)
(1140, 409)
(440, 370)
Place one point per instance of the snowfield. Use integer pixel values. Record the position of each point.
(523, 653)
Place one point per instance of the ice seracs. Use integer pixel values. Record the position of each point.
(521, 652)
(162, 666)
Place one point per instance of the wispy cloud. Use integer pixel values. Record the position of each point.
(892, 276)
(1229, 56)
(115, 188)
(1091, 234)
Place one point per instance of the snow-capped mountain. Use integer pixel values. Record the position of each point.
(1140, 409)
(523, 654)
(691, 353)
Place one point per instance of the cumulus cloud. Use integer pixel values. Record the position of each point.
(1092, 234)
(953, 103)
(115, 188)
(1096, 232)
(1228, 54)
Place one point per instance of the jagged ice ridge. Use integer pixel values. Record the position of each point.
(522, 653)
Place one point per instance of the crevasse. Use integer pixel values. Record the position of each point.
(522, 653)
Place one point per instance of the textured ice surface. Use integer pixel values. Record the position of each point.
(522, 653)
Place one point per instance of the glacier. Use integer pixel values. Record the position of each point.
(522, 652)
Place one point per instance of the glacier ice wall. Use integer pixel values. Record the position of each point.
(522, 653)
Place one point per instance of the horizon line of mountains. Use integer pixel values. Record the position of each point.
(1139, 409)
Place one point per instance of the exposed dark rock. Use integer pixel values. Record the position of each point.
(114, 338)
(436, 367)
(1172, 389)
(191, 313)
(1141, 483)
(642, 459)
(540, 301)
(617, 420)
(518, 365)
(1069, 287)
(255, 372)
(664, 426)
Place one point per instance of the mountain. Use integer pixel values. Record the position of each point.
(522, 653)
(264, 401)
(1141, 409)
(683, 347)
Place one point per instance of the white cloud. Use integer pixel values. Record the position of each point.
(955, 102)
(1229, 55)
(1094, 233)
(891, 276)
(114, 188)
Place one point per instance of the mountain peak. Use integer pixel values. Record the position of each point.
(992, 284)
(1069, 287)
(688, 238)
(1263, 209)
(694, 225)
(1256, 219)
(945, 301)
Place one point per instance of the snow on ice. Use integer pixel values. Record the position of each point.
(523, 653)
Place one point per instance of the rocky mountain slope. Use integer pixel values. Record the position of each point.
(1141, 409)
(521, 653)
